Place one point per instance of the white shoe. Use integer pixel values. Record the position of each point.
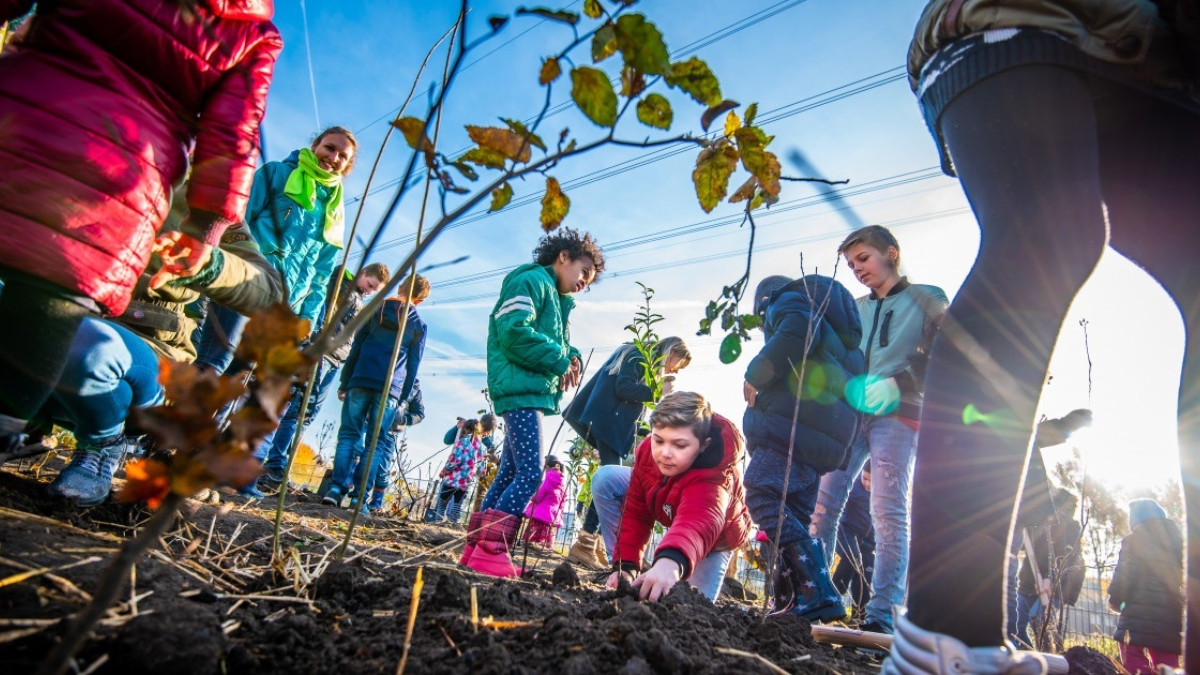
(921, 652)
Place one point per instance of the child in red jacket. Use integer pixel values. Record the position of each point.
(686, 475)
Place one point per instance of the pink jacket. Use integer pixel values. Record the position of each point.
(102, 101)
(547, 504)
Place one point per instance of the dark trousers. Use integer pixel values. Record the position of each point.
(1043, 158)
(608, 457)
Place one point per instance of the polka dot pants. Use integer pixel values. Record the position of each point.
(520, 471)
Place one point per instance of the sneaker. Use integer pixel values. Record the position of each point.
(273, 477)
(873, 626)
(87, 479)
(333, 497)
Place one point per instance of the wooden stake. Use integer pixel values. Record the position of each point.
(475, 608)
(412, 619)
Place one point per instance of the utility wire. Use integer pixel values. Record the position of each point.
(312, 78)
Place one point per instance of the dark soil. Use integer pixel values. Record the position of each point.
(355, 614)
(1085, 661)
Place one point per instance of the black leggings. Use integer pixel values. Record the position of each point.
(37, 326)
(1041, 156)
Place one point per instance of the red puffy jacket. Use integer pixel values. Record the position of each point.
(102, 102)
(704, 508)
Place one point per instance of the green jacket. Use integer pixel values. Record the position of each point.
(239, 277)
(528, 347)
(1128, 32)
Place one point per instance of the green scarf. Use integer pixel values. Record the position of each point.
(301, 186)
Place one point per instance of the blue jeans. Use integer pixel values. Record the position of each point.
(109, 369)
(891, 446)
(610, 484)
(1029, 612)
(274, 448)
(358, 421)
(520, 472)
(219, 338)
(764, 485)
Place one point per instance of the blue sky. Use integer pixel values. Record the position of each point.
(827, 79)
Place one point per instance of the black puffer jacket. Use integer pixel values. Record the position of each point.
(1148, 586)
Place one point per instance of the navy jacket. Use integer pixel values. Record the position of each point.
(1148, 583)
(366, 366)
(606, 410)
(827, 422)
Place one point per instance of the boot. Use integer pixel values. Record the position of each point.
(583, 551)
(496, 538)
(782, 588)
(474, 527)
(88, 478)
(601, 551)
(376, 503)
(816, 599)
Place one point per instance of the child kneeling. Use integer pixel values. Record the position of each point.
(687, 475)
(812, 332)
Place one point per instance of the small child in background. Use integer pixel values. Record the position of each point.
(812, 331)
(687, 475)
(464, 463)
(856, 545)
(546, 507)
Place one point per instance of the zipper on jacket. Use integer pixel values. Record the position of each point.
(871, 337)
(883, 332)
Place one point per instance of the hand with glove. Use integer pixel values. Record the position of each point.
(882, 396)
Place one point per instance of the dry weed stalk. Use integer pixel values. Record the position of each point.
(412, 619)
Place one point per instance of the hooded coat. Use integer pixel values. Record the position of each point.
(102, 101)
(607, 408)
(830, 359)
(703, 508)
(1148, 586)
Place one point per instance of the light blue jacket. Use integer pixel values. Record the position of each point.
(292, 237)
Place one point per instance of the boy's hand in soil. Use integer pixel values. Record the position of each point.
(615, 578)
(182, 256)
(657, 581)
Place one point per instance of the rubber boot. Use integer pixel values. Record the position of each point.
(88, 478)
(376, 503)
(583, 551)
(782, 588)
(474, 526)
(816, 597)
(497, 536)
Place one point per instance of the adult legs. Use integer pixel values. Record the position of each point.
(1024, 145)
(1150, 168)
(608, 457)
(280, 441)
(709, 573)
(219, 338)
(610, 484)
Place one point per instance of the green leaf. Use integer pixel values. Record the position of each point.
(554, 205)
(714, 166)
(731, 349)
(508, 143)
(694, 77)
(592, 9)
(714, 112)
(520, 129)
(655, 111)
(752, 143)
(594, 95)
(484, 157)
(501, 196)
(550, 71)
(412, 127)
(604, 43)
(552, 14)
(642, 45)
(751, 321)
(751, 113)
(465, 170)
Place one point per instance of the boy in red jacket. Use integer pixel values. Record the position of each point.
(687, 475)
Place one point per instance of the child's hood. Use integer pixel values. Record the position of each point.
(841, 311)
(242, 10)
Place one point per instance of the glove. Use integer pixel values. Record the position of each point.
(882, 397)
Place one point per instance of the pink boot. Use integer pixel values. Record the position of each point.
(490, 555)
(474, 527)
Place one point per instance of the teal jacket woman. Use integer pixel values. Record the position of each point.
(296, 215)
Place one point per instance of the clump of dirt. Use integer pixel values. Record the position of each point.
(565, 575)
(1087, 661)
(187, 640)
